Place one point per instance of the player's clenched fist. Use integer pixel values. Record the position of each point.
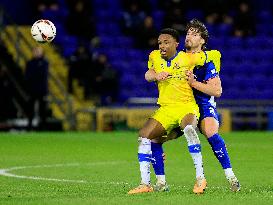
(190, 77)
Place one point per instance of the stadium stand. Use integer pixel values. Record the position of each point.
(246, 61)
(121, 51)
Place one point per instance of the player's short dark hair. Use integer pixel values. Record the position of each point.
(174, 33)
(201, 28)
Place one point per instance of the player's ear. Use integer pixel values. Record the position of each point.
(176, 44)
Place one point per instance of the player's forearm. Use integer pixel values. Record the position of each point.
(212, 90)
(150, 75)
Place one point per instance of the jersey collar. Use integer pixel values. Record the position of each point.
(169, 62)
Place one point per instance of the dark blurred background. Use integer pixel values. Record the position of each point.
(99, 57)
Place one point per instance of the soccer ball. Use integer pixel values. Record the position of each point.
(43, 31)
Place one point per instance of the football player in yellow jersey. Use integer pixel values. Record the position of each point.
(167, 68)
(206, 85)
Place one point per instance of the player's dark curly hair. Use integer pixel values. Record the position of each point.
(201, 28)
(174, 33)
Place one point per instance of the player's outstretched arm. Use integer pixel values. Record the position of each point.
(211, 87)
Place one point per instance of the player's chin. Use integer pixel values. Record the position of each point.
(163, 55)
(187, 46)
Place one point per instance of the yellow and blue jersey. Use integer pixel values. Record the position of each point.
(175, 89)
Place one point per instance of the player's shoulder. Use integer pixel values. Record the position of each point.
(154, 54)
(184, 53)
(218, 53)
(181, 53)
(215, 53)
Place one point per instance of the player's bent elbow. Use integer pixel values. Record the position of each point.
(150, 76)
(149, 79)
(218, 93)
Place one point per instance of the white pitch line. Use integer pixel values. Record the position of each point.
(6, 172)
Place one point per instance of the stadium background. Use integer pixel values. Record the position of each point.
(246, 102)
(74, 167)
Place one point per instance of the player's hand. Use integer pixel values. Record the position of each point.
(162, 76)
(190, 77)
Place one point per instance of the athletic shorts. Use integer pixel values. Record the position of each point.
(207, 111)
(170, 116)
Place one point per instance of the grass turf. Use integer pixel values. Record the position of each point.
(100, 168)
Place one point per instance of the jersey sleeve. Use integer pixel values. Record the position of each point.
(211, 71)
(151, 60)
(215, 57)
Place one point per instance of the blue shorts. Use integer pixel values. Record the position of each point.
(207, 111)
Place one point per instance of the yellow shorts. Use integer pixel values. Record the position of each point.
(170, 116)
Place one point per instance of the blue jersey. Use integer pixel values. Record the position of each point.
(206, 103)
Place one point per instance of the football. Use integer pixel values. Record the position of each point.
(43, 31)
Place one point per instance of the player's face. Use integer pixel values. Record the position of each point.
(167, 46)
(193, 40)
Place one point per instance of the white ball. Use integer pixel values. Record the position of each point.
(43, 31)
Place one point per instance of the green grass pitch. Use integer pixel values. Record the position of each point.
(100, 168)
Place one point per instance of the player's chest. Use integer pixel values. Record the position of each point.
(168, 66)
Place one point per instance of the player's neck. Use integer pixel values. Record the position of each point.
(194, 50)
(171, 56)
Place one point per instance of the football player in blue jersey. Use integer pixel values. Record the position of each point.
(206, 85)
